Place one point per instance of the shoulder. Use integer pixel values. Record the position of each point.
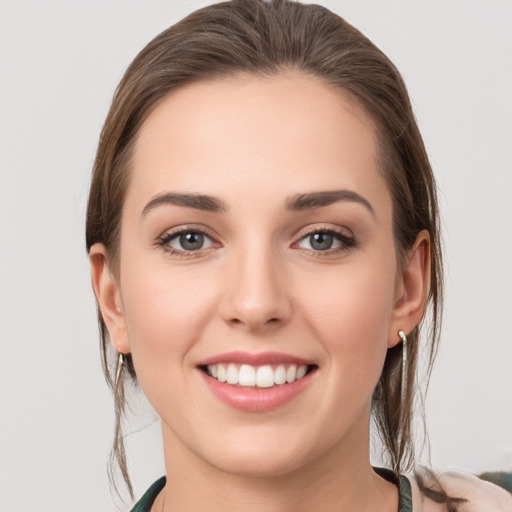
(480, 495)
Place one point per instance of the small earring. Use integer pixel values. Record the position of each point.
(120, 364)
(403, 337)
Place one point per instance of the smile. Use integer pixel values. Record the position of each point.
(264, 376)
(257, 382)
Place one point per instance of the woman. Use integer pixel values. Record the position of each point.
(263, 236)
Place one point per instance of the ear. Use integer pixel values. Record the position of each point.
(411, 289)
(108, 297)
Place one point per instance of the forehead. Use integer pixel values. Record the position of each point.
(288, 132)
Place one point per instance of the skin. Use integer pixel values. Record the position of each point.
(259, 285)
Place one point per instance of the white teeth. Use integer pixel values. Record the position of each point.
(280, 375)
(212, 369)
(301, 371)
(221, 373)
(265, 377)
(232, 374)
(291, 373)
(260, 376)
(247, 376)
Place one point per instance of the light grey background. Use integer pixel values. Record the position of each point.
(59, 65)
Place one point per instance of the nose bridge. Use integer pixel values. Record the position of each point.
(256, 296)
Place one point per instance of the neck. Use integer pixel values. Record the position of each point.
(341, 479)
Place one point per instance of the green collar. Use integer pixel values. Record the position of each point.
(405, 505)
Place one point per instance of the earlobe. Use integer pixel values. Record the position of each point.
(412, 289)
(108, 298)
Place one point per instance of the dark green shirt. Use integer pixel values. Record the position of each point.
(145, 503)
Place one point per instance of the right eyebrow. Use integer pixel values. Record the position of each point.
(314, 200)
(197, 201)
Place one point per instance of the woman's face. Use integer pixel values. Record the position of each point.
(256, 245)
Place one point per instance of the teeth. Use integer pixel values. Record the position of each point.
(264, 377)
(301, 371)
(232, 374)
(260, 376)
(221, 373)
(291, 373)
(280, 375)
(247, 376)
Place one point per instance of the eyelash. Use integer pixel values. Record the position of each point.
(164, 240)
(343, 236)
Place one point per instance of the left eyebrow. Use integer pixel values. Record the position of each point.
(314, 200)
(197, 201)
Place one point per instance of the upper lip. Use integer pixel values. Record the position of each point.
(254, 359)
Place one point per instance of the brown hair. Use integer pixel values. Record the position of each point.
(265, 38)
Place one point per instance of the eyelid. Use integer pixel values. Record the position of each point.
(198, 228)
(342, 233)
(169, 234)
(325, 228)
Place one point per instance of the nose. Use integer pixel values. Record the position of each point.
(255, 295)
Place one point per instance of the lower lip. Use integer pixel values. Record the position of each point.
(256, 399)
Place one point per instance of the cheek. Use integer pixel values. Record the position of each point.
(165, 313)
(351, 317)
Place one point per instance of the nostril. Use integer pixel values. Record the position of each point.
(270, 321)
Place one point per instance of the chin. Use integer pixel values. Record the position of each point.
(258, 465)
(262, 454)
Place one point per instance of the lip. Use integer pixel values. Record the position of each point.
(255, 359)
(252, 399)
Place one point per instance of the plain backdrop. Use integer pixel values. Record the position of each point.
(59, 64)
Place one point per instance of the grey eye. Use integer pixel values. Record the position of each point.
(325, 240)
(188, 241)
(321, 241)
(191, 241)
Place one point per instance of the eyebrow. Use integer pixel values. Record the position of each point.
(314, 200)
(197, 201)
(298, 202)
